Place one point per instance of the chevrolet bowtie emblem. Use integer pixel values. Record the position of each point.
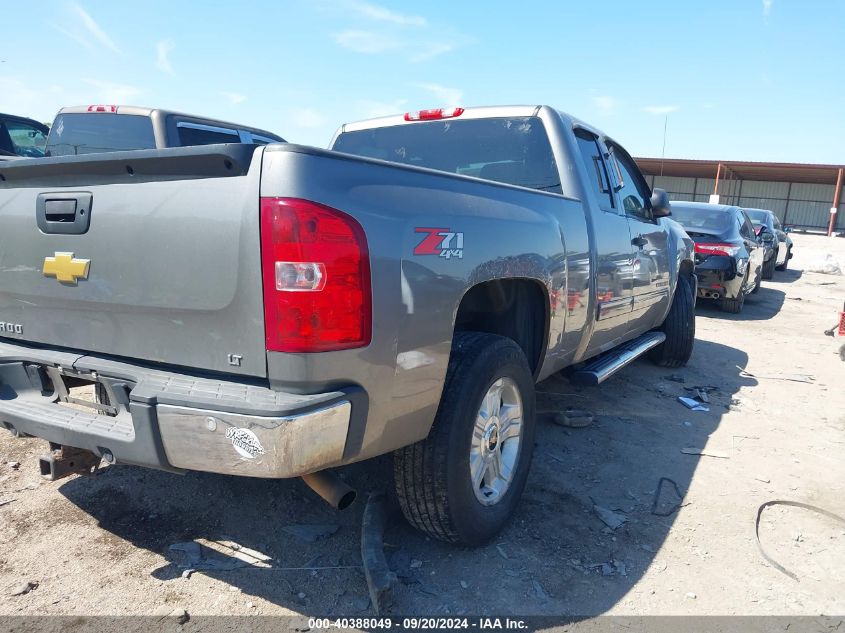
(65, 268)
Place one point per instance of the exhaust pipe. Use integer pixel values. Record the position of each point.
(331, 488)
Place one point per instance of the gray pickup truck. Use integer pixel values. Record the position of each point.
(283, 310)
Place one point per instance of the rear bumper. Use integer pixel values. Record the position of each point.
(176, 421)
(718, 275)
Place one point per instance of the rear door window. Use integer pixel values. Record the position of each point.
(84, 133)
(597, 176)
(512, 150)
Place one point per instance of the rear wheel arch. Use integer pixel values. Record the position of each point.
(517, 308)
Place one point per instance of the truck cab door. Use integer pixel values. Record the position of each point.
(613, 280)
(649, 240)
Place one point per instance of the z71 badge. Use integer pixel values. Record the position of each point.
(440, 242)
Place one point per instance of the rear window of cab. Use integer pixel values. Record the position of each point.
(511, 150)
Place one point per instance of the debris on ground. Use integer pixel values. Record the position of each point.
(744, 373)
(502, 552)
(574, 418)
(6, 502)
(794, 504)
(380, 579)
(206, 555)
(824, 263)
(13, 465)
(311, 533)
(610, 518)
(691, 595)
(694, 405)
(675, 378)
(657, 497)
(539, 591)
(704, 452)
(23, 588)
(166, 612)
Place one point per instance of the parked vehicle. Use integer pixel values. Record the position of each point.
(283, 310)
(767, 225)
(20, 136)
(728, 253)
(107, 128)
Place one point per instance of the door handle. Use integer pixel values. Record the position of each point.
(639, 241)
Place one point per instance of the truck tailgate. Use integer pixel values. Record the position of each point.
(172, 246)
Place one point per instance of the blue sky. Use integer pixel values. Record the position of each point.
(738, 79)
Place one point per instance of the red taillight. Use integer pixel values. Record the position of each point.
(316, 270)
(432, 115)
(717, 249)
(102, 108)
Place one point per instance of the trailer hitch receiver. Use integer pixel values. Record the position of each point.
(64, 461)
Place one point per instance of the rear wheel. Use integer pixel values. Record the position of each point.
(734, 306)
(679, 328)
(769, 267)
(785, 263)
(463, 482)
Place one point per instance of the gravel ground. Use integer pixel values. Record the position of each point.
(101, 545)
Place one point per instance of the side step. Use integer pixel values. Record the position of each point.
(599, 369)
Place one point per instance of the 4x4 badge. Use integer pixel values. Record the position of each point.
(65, 268)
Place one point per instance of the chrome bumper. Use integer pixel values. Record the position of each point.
(176, 421)
(253, 446)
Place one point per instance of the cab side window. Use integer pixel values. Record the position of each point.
(597, 176)
(632, 191)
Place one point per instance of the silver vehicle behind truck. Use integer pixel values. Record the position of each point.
(283, 310)
(96, 129)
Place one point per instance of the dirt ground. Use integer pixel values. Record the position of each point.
(101, 545)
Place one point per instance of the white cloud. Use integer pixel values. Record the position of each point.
(94, 28)
(376, 12)
(661, 109)
(74, 36)
(308, 118)
(366, 41)
(163, 49)
(112, 93)
(445, 96)
(234, 97)
(606, 105)
(372, 42)
(431, 50)
(371, 109)
(767, 7)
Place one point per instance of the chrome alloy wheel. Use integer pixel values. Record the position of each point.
(494, 450)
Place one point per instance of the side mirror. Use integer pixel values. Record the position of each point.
(660, 205)
(787, 229)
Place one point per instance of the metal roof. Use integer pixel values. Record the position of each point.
(742, 170)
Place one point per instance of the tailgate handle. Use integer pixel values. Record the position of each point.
(66, 212)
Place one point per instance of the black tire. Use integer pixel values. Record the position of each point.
(432, 477)
(679, 328)
(769, 267)
(785, 263)
(734, 306)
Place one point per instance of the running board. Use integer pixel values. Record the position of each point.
(598, 370)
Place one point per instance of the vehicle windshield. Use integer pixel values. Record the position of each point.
(93, 133)
(702, 218)
(512, 150)
(758, 218)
